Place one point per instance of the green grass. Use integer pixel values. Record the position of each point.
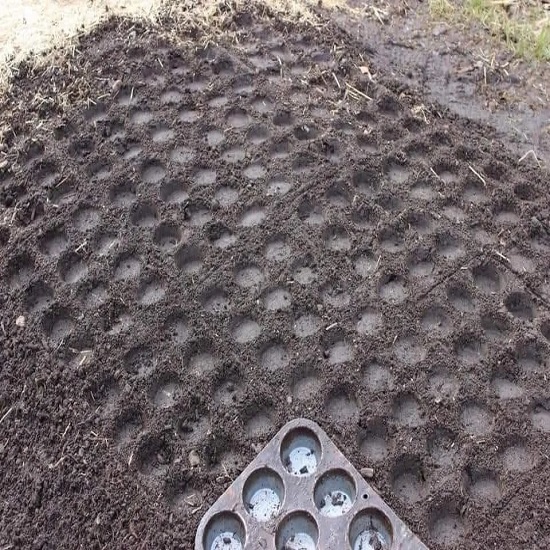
(524, 27)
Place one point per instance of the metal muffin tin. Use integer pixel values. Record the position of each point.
(301, 493)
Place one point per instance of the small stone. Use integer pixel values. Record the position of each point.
(289, 399)
(20, 321)
(367, 473)
(194, 459)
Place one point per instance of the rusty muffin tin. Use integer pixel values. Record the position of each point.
(301, 493)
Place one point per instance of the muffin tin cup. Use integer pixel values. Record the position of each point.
(301, 493)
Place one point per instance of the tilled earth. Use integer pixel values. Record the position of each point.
(238, 236)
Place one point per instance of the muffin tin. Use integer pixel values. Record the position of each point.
(301, 493)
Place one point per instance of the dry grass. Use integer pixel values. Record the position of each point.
(523, 25)
(33, 28)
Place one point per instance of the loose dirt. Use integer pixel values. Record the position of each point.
(235, 236)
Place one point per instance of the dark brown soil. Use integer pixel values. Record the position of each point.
(231, 241)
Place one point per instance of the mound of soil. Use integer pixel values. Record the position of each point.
(235, 236)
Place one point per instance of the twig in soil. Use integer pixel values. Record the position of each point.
(354, 92)
(5, 415)
(337, 81)
(533, 154)
(333, 325)
(56, 464)
(501, 255)
(435, 173)
(475, 172)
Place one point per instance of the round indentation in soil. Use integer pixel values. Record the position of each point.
(307, 325)
(338, 352)
(366, 182)
(496, 327)
(274, 357)
(123, 195)
(72, 269)
(167, 236)
(407, 411)
(374, 441)
(254, 171)
(86, 218)
(435, 320)
(226, 196)
(393, 288)
(154, 456)
(188, 259)
(483, 486)
(127, 267)
(487, 278)
(370, 529)
(177, 328)
(249, 276)
(224, 531)
(58, 325)
(229, 391)
(150, 292)
(420, 263)
(342, 406)
(369, 322)
(310, 212)
(173, 192)
(477, 420)
(409, 350)
(520, 305)
(234, 154)
(252, 217)
(335, 493)
(245, 330)
(518, 458)
(39, 297)
(365, 264)
(377, 377)
(163, 392)
(215, 301)
(306, 386)
(162, 134)
(469, 349)
(205, 176)
(278, 187)
(541, 416)
(408, 482)
(263, 494)
(144, 215)
(259, 425)
(181, 155)
(54, 242)
(337, 239)
(460, 298)
(297, 530)
(277, 250)
(153, 172)
(446, 525)
(301, 452)
(391, 240)
(277, 299)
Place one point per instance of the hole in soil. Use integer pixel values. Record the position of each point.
(310, 212)
(127, 267)
(154, 457)
(436, 320)
(144, 215)
(337, 239)
(263, 494)
(496, 327)
(369, 322)
(224, 531)
(173, 192)
(163, 392)
(487, 278)
(408, 481)
(277, 299)
(181, 155)
(167, 236)
(307, 325)
(335, 493)
(520, 305)
(342, 406)
(526, 192)
(366, 182)
(300, 452)
(250, 276)
(460, 298)
(189, 259)
(298, 530)
(254, 216)
(245, 330)
(407, 411)
(215, 301)
(392, 288)
(370, 530)
(153, 172)
(477, 421)
(446, 525)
